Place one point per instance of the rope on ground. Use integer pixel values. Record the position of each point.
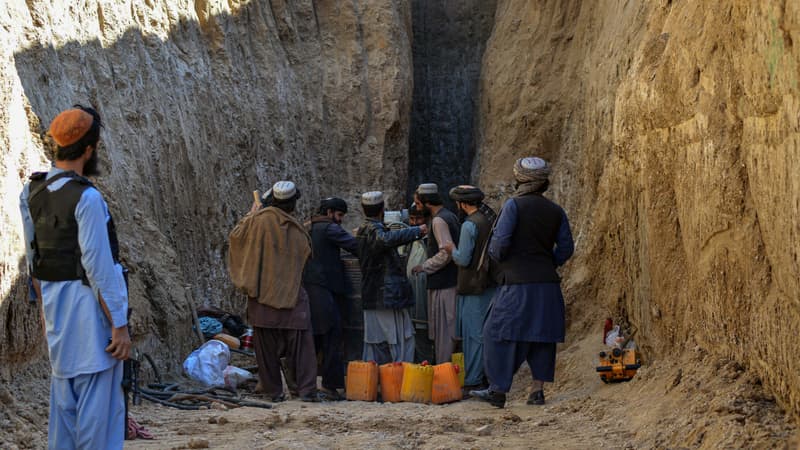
(171, 394)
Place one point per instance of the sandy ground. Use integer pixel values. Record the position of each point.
(700, 403)
(696, 401)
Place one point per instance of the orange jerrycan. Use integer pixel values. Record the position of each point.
(446, 387)
(391, 381)
(458, 360)
(417, 383)
(362, 381)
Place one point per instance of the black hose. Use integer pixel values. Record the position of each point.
(242, 352)
(162, 393)
(173, 404)
(153, 366)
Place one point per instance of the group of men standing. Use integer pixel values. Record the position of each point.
(490, 281)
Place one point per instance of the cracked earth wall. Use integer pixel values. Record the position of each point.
(673, 129)
(203, 101)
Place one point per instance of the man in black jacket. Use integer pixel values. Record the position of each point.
(385, 290)
(325, 281)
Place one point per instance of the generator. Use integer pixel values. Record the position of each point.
(618, 364)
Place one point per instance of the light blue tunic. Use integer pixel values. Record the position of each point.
(78, 331)
(471, 309)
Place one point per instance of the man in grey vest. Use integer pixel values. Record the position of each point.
(325, 282)
(441, 271)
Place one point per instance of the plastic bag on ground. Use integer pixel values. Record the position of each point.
(207, 363)
(614, 337)
(235, 376)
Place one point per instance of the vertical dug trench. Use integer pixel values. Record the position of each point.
(449, 41)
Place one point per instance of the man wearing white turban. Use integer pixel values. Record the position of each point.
(526, 316)
(385, 290)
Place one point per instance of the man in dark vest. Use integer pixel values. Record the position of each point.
(526, 317)
(441, 271)
(72, 252)
(475, 286)
(325, 283)
(385, 290)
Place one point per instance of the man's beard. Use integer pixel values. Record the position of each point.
(90, 168)
(462, 215)
(426, 211)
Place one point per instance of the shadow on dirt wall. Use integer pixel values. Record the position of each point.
(20, 323)
(172, 220)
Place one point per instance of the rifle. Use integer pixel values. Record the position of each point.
(130, 381)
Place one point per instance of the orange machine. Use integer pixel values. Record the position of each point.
(618, 365)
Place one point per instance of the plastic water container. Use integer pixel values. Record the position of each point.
(390, 217)
(391, 381)
(417, 383)
(247, 340)
(229, 340)
(446, 387)
(362, 381)
(458, 360)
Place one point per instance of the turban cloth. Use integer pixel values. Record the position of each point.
(466, 193)
(531, 174)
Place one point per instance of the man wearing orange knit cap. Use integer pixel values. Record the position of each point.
(72, 252)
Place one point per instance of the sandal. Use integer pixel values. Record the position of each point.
(136, 431)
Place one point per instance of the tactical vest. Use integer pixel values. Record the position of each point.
(474, 280)
(447, 276)
(530, 257)
(325, 267)
(56, 250)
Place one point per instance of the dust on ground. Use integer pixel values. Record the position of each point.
(696, 401)
(701, 402)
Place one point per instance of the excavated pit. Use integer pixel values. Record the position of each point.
(449, 41)
(672, 127)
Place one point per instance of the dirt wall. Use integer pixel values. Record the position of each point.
(673, 129)
(203, 101)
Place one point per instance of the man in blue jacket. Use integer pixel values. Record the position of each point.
(385, 290)
(72, 252)
(325, 282)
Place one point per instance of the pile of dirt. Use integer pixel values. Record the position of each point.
(24, 407)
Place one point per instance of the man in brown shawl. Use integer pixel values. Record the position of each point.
(268, 251)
